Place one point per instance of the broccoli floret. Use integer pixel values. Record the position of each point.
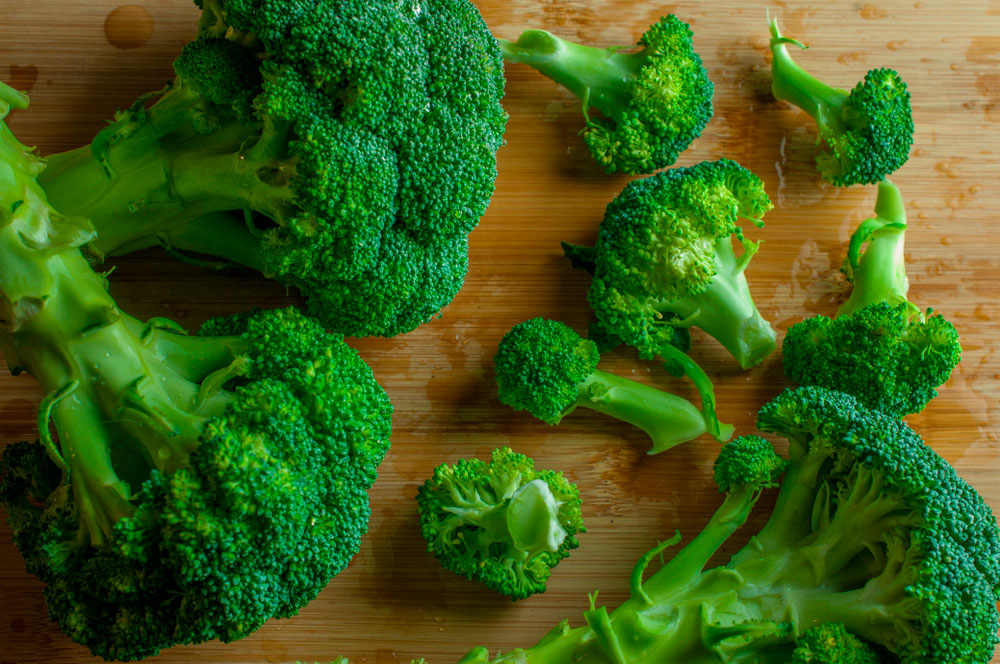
(501, 522)
(871, 530)
(652, 103)
(664, 258)
(196, 486)
(546, 368)
(880, 348)
(867, 131)
(344, 148)
(831, 643)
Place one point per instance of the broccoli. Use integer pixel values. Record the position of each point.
(664, 258)
(345, 148)
(867, 131)
(501, 522)
(196, 486)
(871, 529)
(544, 367)
(880, 348)
(652, 103)
(831, 643)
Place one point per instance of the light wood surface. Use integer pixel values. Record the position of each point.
(395, 602)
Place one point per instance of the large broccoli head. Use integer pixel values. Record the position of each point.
(500, 522)
(345, 148)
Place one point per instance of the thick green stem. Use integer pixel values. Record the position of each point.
(726, 310)
(706, 391)
(792, 83)
(599, 77)
(667, 418)
(879, 274)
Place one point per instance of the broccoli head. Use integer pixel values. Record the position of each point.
(867, 131)
(344, 148)
(196, 486)
(880, 348)
(500, 522)
(546, 368)
(664, 258)
(874, 545)
(652, 103)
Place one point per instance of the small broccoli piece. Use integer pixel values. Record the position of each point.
(195, 486)
(867, 131)
(652, 103)
(346, 148)
(880, 348)
(501, 522)
(871, 531)
(546, 368)
(831, 643)
(664, 258)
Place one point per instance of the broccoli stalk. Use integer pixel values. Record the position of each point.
(880, 348)
(867, 131)
(652, 103)
(299, 145)
(196, 486)
(874, 542)
(502, 522)
(546, 368)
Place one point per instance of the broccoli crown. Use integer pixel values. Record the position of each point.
(867, 131)
(500, 522)
(748, 460)
(884, 502)
(890, 357)
(539, 365)
(665, 242)
(270, 504)
(666, 106)
(831, 643)
(358, 140)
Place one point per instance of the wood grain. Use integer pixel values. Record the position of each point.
(395, 602)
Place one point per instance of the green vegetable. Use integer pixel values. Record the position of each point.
(880, 348)
(871, 529)
(664, 258)
(196, 486)
(501, 522)
(831, 643)
(651, 103)
(346, 148)
(544, 367)
(867, 131)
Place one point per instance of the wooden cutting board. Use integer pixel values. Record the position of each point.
(80, 59)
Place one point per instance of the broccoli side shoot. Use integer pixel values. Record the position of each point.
(500, 522)
(345, 148)
(194, 486)
(880, 348)
(874, 545)
(664, 258)
(867, 132)
(651, 103)
(546, 368)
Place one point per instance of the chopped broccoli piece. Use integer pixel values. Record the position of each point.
(664, 258)
(501, 522)
(652, 103)
(546, 368)
(871, 530)
(196, 486)
(880, 348)
(867, 131)
(346, 148)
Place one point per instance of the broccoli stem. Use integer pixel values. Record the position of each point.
(667, 418)
(792, 83)
(879, 274)
(599, 77)
(726, 310)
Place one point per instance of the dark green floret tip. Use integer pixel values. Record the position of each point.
(748, 460)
